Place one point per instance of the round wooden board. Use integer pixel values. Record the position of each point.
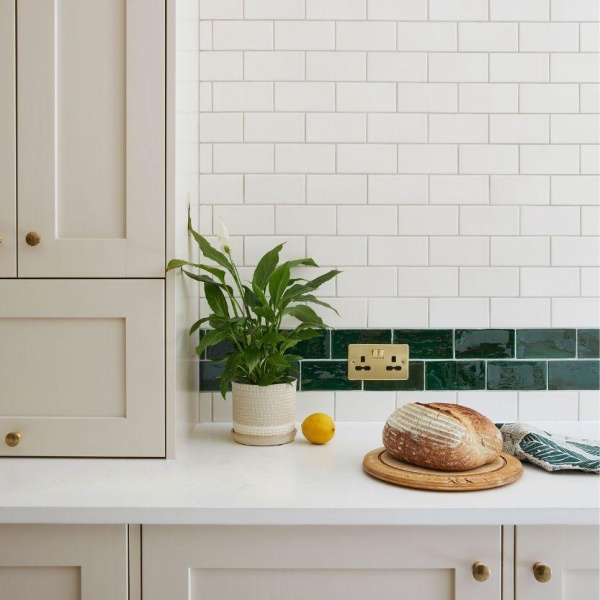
(504, 470)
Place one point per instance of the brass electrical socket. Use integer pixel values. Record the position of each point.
(377, 362)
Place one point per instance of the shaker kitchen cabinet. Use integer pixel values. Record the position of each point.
(321, 563)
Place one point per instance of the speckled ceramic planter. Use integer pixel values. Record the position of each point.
(264, 415)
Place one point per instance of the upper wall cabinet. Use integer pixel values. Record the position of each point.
(90, 137)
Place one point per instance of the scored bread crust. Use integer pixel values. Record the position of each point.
(447, 437)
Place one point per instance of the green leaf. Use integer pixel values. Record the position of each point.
(307, 262)
(265, 267)
(278, 282)
(251, 358)
(305, 314)
(273, 338)
(216, 299)
(210, 338)
(279, 361)
(197, 325)
(309, 286)
(177, 263)
(231, 366)
(207, 250)
(310, 298)
(202, 278)
(250, 298)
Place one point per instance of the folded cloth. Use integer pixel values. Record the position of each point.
(550, 451)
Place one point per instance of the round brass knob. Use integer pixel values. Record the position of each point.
(481, 572)
(542, 572)
(12, 439)
(1, 239)
(33, 238)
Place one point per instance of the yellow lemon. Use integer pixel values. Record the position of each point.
(318, 428)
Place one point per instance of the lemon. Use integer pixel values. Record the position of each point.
(318, 428)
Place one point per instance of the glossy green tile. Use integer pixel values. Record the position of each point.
(340, 338)
(318, 347)
(326, 375)
(587, 343)
(455, 375)
(414, 383)
(516, 375)
(221, 350)
(573, 375)
(210, 373)
(546, 343)
(426, 343)
(484, 343)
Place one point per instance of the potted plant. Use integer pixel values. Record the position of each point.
(249, 315)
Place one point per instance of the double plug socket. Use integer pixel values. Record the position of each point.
(377, 362)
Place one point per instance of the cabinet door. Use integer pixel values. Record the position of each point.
(321, 563)
(571, 552)
(63, 562)
(8, 206)
(82, 367)
(91, 137)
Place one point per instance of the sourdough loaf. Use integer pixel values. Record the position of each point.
(447, 437)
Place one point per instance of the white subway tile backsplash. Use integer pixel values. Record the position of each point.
(520, 251)
(255, 247)
(520, 67)
(328, 127)
(458, 129)
(548, 406)
(589, 37)
(243, 158)
(459, 189)
(428, 97)
(337, 251)
(304, 97)
(589, 406)
(427, 158)
(578, 68)
(245, 220)
(549, 98)
(396, 66)
(550, 220)
(367, 220)
(572, 312)
(589, 101)
(518, 10)
(304, 158)
(366, 158)
(488, 159)
(399, 10)
(549, 37)
(489, 220)
(590, 220)
(549, 159)
(365, 35)
(221, 189)
(336, 189)
(380, 281)
(336, 66)
(426, 36)
(398, 312)
(519, 129)
(488, 97)
(520, 312)
(275, 189)
(398, 189)
(500, 407)
(555, 281)
(273, 127)
(590, 159)
(221, 127)
(488, 37)
(575, 129)
(397, 128)
(458, 10)
(575, 10)
(304, 35)
(336, 9)
(364, 406)
(428, 220)
(575, 251)
(221, 66)
(366, 97)
(459, 312)
(489, 281)
(520, 189)
(305, 220)
(461, 67)
(242, 97)
(459, 251)
(242, 35)
(427, 282)
(387, 250)
(274, 66)
(274, 9)
(308, 403)
(221, 9)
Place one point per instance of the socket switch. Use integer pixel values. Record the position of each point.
(377, 362)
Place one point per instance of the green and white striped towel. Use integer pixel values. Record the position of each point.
(550, 451)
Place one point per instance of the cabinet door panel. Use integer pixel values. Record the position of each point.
(294, 563)
(91, 130)
(8, 198)
(82, 367)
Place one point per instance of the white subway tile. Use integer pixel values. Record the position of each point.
(548, 406)
(203, 36)
(550, 220)
(274, 66)
(589, 36)
(305, 220)
(575, 10)
(304, 35)
(336, 66)
(397, 250)
(520, 312)
(222, 410)
(397, 128)
(204, 221)
(428, 220)
(520, 189)
(242, 97)
(336, 9)
(398, 312)
(589, 405)
(590, 281)
(489, 281)
(519, 129)
(459, 189)
(399, 10)
(304, 96)
(194, 156)
(590, 220)
(274, 9)
(332, 127)
(274, 189)
(590, 159)
(489, 220)
(589, 97)
(458, 10)
(336, 189)
(575, 252)
(426, 396)
(549, 159)
(367, 281)
(459, 312)
(427, 158)
(352, 312)
(365, 35)
(457, 67)
(517, 10)
(499, 407)
(549, 37)
(221, 66)
(549, 98)
(433, 37)
(550, 282)
(397, 66)
(575, 129)
(243, 35)
(304, 158)
(245, 220)
(578, 68)
(488, 37)
(458, 129)
(309, 403)
(366, 97)
(484, 159)
(519, 67)
(520, 251)
(366, 158)
(575, 312)
(243, 158)
(364, 406)
(195, 96)
(335, 251)
(273, 127)
(221, 9)
(220, 127)
(427, 97)
(256, 246)
(427, 282)
(367, 220)
(221, 189)
(459, 251)
(488, 97)
(398, 189)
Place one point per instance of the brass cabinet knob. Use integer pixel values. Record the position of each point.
(542, 572)
(481, 572)
(1, 239)
(13, 438)
(33, 238)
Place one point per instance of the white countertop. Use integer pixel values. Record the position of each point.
(216, 481)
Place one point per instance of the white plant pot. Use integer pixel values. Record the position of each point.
(264, 415)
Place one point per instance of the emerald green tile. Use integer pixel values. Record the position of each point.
(587, 344)
(210, 373)
(317, 347)
(546, 343)
(414, 383)
(516, 375)
(320, 375)
(484, 343)
(221, 350)
(573, 375)
(340, 338)
(426, 343)
(455, 375)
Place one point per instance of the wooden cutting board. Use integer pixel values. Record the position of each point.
(504, 470)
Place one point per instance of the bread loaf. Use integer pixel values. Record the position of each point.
(447, 437)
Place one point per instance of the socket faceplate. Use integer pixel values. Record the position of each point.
(377, 362)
